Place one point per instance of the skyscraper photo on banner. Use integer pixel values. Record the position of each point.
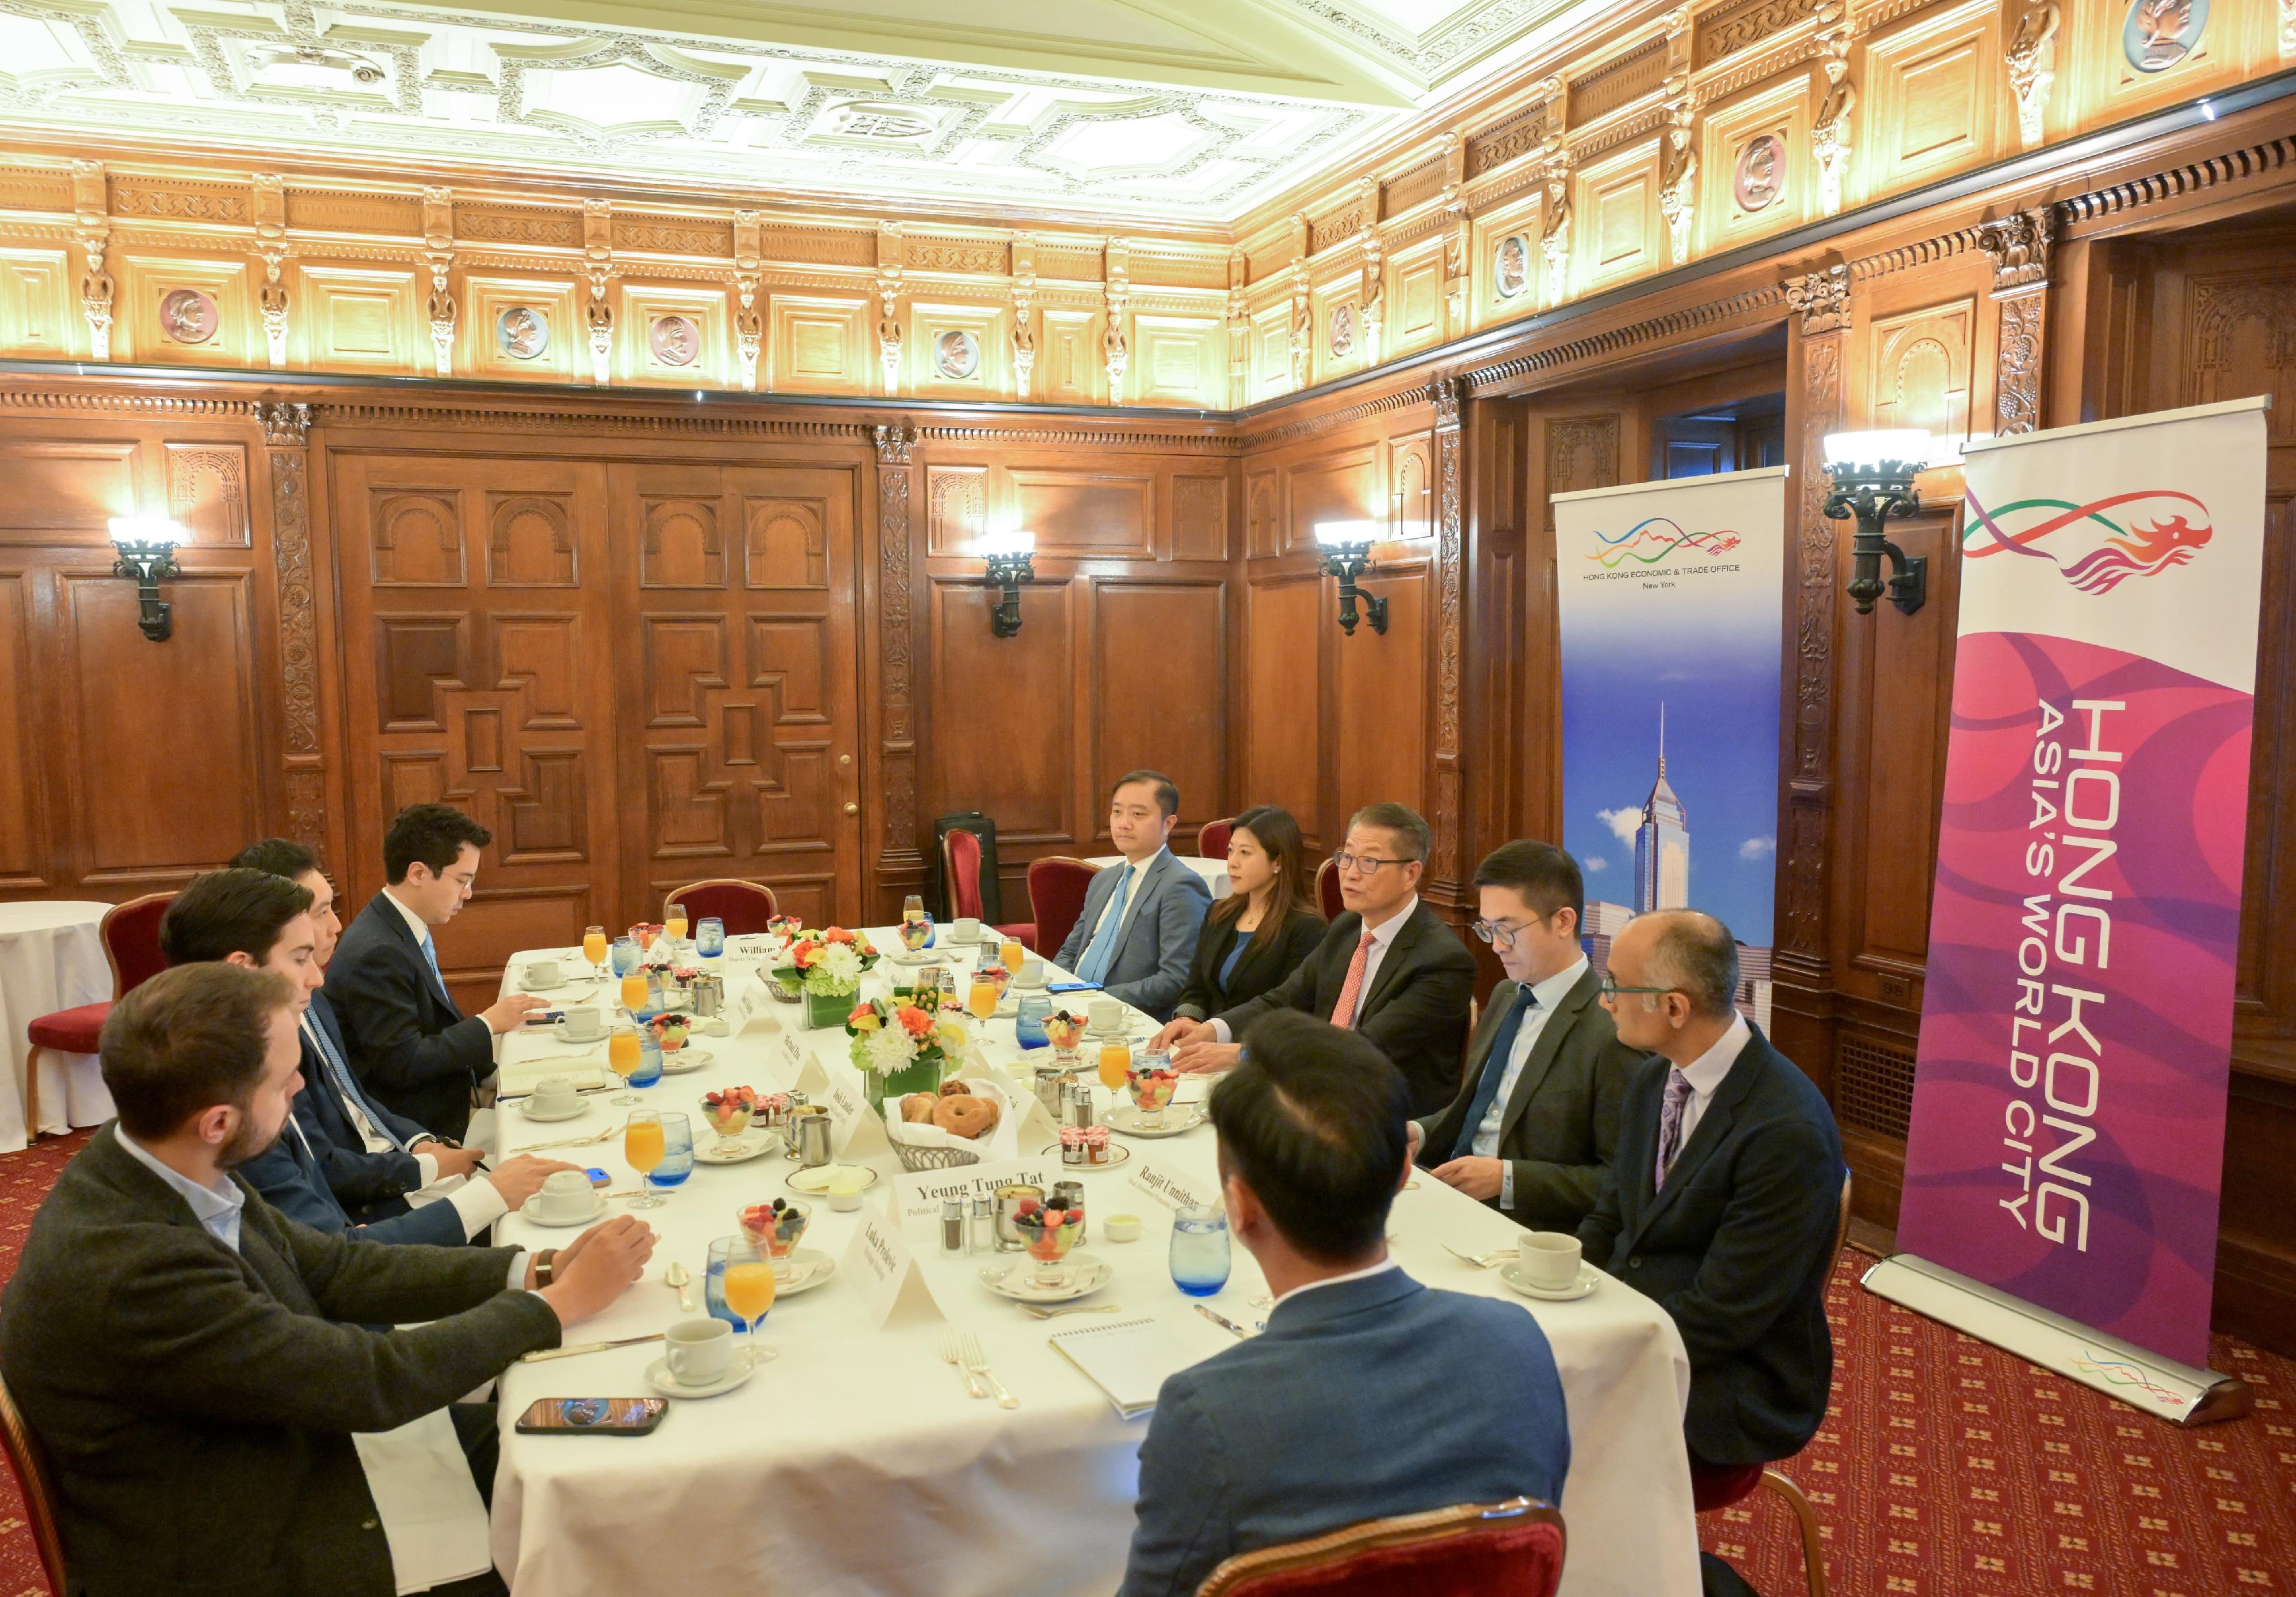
(1671, 596)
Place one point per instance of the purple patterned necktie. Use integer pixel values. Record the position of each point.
(1669, 1125)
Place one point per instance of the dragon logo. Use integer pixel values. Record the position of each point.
(2094, 551)
(1650, 541)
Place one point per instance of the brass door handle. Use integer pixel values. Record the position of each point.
(852, 809)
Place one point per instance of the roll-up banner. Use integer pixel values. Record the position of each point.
(2067, 1137)
(1669, 597)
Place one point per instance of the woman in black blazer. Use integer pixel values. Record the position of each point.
(1257, 935)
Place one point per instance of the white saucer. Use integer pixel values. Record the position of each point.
(689, 1059)
(659, 1378)
(1179, 1119)
(1117, 1154)
(753, 1142)
(923, 956)
(526, 1106)
(558, 1028)
(530, 1212)
(1589, 1279)
(1087, 1273)
(810, 1268)
(815, 1183)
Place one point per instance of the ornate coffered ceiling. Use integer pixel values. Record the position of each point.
(1190, 110)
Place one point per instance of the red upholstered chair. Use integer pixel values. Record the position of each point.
(31, 1463)
(1212, 842)
(1512, 1549)
(1056, 889)
(960, 866)
(744, 906)
(1718, 1488)
(1327, 891)
(130, 932)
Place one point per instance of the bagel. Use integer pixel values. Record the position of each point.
(918, 1107)
(954, 1088)
(965, 1116)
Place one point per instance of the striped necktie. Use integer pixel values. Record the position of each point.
(339, 1076)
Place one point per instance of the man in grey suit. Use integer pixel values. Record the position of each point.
(1368, 1395)
(195, 1363)
(1532, 1129)
(1138, 935)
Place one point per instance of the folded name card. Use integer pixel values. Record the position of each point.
(917, 1198)
(891, 1284)
(856, 1131)
(1169, 1188)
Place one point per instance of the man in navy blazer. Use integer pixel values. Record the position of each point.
(1368, 1395)
(1725, 1195)
(1138, 935)
(412, 1047)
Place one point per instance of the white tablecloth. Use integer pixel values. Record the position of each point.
(855, 1464)
(51, 958)
(1213, 871)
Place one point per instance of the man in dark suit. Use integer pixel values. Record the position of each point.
(1531, 1131)
(1388, 967)
(193, 1362)
(1368, 1395)
(410, 1046)
(263, 921)
(1724, 1196)
(1137, 934)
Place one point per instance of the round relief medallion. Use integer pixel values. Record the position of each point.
(1511, 266)
(1343, 331)
(676, 341)
(2157, 34)
(1761, 172)
(956, 354)
(188, 316)
(522, 331)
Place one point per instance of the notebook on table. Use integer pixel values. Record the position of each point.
(1127, 1361)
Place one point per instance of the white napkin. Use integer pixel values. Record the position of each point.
(431, 1516)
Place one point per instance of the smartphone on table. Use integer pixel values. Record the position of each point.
(603, 1416)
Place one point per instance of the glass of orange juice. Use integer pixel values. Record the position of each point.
(622, 1056)
(745, 1277)
(634, 991)
(1013, 954)
(981, 999)
(594, 948)
(1115, 1063)
(673, 923)
(643, 1147)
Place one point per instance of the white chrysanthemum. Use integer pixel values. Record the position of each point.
(889, 1050)
(841, 964)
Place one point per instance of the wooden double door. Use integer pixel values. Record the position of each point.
(634, 675)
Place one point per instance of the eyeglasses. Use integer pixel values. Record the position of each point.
(1365, 862)
(1498, 934)
(1611, 989)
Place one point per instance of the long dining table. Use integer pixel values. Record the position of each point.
(854, 1462)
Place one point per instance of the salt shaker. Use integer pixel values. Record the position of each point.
(952, 1226)
(982, 1226)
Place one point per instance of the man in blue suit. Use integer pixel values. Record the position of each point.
(1138, 935)
(1368, 1395)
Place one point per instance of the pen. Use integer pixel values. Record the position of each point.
(1220, 1319)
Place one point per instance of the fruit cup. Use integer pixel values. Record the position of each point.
(1066, 1031)
(777, 1227)
(1152, 1090)
(1048, 1232)
(918, 935)
(729, 1115)
(670, 1031)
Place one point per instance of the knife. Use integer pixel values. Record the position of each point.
(1220, 1319)
(536, 1358)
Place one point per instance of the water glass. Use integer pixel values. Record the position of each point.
(1200, 1249)
(709, 936)
(677, 1161)
(625, 955)
(1030, 1025)
(649, 1070)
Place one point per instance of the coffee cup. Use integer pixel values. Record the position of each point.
(964, 928)
(566, 1195)
(1032, 974)
(542, 972)
(582, 1025)
(554, 1095)
(1107, 1015)
(1550, 1259)
(699, 1351)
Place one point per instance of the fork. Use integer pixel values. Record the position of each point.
(977, 1363)
(953, 1355)
(1055, 1314)
(614, 1131)
(1482, 1261)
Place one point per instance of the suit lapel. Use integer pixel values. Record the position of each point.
(1149, 878)
(433, 987)
(1543, 1050)
(1713, 1128)
(1390, 964)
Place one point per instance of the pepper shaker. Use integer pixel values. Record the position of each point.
(952, 1226)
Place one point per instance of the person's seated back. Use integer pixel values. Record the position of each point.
(410, 1043)
(1725, 1193)
(254, 918)
(195, 1362)
(1388, 967)
(1141, 917)
(1368, 1395)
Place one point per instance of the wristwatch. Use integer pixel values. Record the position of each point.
(544, 1263)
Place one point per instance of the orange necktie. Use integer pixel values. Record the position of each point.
(1343, 1012)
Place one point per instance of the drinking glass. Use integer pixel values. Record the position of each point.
(623, 1058)
(1013, 954)
(982, 999)
(649, 1070)
(594, 948)
(626, 955)
(913, 908)
(634, 992)
(673, 924)
(676, 1155)
(1200, 1249)
(709, 938)
(643, 1148)
(1115, 1063)
(743, 1277)
(1028, 1025)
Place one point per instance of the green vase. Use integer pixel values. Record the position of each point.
(922, 1077)
(826, 1010)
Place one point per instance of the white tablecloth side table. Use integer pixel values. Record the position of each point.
(51, 959)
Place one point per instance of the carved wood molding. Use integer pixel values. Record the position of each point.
(2017, 371)
(139, 405)
(1400, 398)
(1448, 395)
(2156, 188)
(895, 446)
(1802, 863)
(1749, 305)
(286, 434)
(1168, 442)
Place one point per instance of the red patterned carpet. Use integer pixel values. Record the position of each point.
(1945, 1469)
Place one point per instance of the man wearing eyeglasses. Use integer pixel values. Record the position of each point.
(1725, 1196)
(1389, 967)
(1532, 1128)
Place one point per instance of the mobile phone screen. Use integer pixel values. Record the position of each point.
(613, 1416)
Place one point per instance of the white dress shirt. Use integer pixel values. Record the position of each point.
(1383, 938)
(1705, 1074)
(419, 926)
(1545, 996)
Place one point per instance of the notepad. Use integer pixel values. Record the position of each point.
(1127, 1361)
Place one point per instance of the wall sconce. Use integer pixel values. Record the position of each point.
(146, 545)
(1346, 555)
(1009, 566)
(1872, 476)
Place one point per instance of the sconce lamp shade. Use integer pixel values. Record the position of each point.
(1347, 535)
(1005, 545)
(1867, 453)
(146, 530)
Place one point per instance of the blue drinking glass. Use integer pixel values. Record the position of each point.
(678, 1162)
(713, 1291)
(1029, 1025)
(709, 936)
(624, 955)
(1200, 1249)
(649, 1070)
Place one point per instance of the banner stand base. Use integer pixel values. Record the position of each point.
(2142, 1380)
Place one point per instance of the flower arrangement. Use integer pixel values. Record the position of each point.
(826, 966)
(904, 1044)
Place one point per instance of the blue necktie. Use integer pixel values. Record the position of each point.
(1493, 1067)
(339, 1075)
(430, 955)
(1094, 968)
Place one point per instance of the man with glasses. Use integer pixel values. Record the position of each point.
(1724, 1197)
(1389, 967)
(1532, 1129)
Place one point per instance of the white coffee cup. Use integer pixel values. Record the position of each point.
(1550, 1259)
(1107, 1014)
(565, 1195)
(964, 928)
(699, 1351)
(542, 972)
(1032, 974)
(554, 1095)
(583, 1025)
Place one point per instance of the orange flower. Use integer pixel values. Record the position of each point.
(838, 934)
(916, 1021)
(863, 1019)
